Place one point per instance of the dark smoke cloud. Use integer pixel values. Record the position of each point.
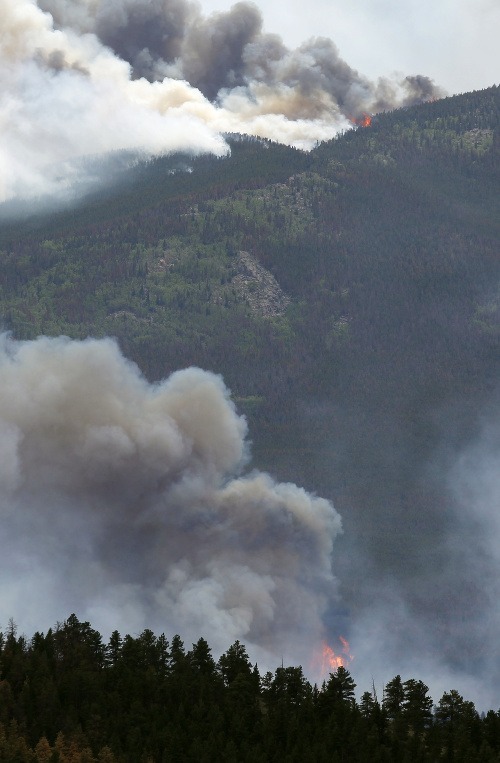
(229, 50)
(419, 89)
(147, 33)
(213, 55)
(127, 503)
(419, 561)
(85, 77)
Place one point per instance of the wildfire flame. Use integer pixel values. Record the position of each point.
(328, 660)
(363, 121)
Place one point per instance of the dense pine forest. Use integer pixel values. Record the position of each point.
(68, 697)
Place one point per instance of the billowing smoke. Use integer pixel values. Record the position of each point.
(419, 560)
(82, 78)
(126, 502)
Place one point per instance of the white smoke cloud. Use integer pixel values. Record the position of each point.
(84, 78)
(126, 502)
(51, 118)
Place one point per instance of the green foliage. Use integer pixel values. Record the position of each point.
(149, 700)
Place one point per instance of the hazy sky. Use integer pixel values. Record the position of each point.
(455, 42)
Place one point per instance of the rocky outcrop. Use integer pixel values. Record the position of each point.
(258, 287)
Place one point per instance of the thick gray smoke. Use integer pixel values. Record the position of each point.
(419, 561)
(229, 50)
(81, 78)
(125, 502)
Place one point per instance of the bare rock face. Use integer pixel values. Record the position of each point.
(259, 287)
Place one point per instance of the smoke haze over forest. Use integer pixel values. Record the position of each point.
(85, 78)
(133, 501)
(127, 501)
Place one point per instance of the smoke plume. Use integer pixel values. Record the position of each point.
(418, 563)
(126, 502)
(83, 78)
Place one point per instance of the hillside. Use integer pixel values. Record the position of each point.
(350, 298)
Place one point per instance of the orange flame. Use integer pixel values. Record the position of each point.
(364, 121)
(328, 661)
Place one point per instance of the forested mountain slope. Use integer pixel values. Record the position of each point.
(349, 296)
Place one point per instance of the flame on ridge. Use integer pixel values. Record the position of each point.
(363, 121)
(327, 660)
